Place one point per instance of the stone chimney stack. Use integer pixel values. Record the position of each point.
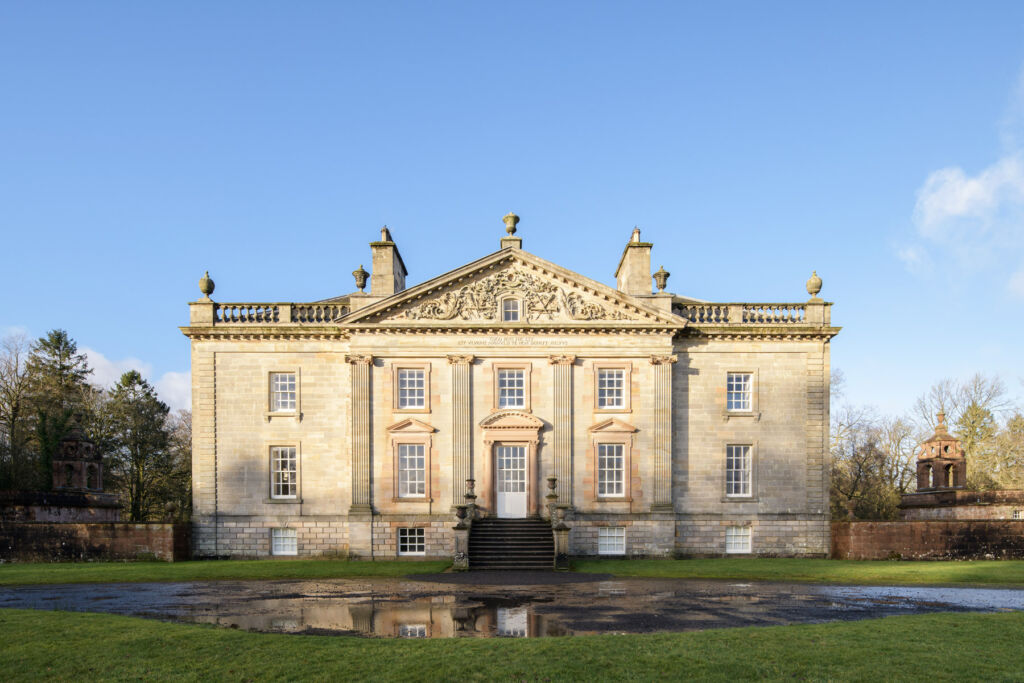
(633, 276)
(388, 269)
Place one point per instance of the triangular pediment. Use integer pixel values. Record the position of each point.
(612, 425)
(547, 295)
(411, 426)
(511, 419)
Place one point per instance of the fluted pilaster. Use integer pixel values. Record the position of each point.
(462, 426)
(563, 365)
(361, 430)
(662, 432)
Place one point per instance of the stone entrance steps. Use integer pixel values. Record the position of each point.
(511, 544)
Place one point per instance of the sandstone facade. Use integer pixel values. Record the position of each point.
(351, 426)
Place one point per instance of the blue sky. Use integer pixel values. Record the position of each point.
(881, 144)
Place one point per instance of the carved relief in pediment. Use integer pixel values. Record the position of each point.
(542, 301)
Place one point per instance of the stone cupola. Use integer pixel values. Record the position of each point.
(77, 464)
(940, 462)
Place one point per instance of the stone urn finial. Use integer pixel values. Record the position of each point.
(206, 285)
(661, 278)
(511, 220)
(360, 275)
(814, 284)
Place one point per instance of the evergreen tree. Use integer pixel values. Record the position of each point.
(58, 387)
(140, 463)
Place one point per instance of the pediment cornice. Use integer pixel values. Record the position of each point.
(512, 419)
(550, 296)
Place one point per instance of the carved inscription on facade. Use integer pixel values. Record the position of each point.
(542, 301)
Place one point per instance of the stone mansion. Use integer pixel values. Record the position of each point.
(643, 422)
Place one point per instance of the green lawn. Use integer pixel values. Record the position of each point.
(1002, 572)
(69, 646)
(206, 570)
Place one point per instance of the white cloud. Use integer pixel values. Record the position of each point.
(14, 331)
(174, 388)
(106, 372)
(976, 221)
(1016, 284)
(949, 195)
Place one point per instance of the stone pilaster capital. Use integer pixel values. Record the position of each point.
(664, 360)
(562, 359)
(461, 359)
(359, 360)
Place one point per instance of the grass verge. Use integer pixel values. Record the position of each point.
(73, 646)
(980, 572)
(205, 570)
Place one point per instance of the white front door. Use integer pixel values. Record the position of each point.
(510, 466)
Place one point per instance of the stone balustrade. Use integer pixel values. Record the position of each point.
(755, 314)
(810, 313)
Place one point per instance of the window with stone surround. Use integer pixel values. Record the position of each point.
(739, 392)
(611, 475)
(1018, 514)
(284, 542)
(412, 388)
(611, 540)
(412, 541)
(510, 310)
(612, 387)
(738, 471)
(412, 470)
(512, 387)
(737, 539)
(284, 394)
(284, 472)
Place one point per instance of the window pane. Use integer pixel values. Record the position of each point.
(737, 539)
(739, 391)
(411, 470)
(284, 542)
(610, 469)
(611, 386)
(611, 540)
(737, 471)
(510, 310)
(412, 385)
(282, 391)
(284, 472)
(412, 541)
(511, 388)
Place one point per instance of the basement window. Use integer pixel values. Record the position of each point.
(412, 542)
(284, 542)
(611, 540)
(737, 539)
(1018, 514)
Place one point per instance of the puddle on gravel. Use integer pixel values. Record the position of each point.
(447, 608)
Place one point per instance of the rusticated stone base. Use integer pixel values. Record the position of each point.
(646, 535)
(772, 536)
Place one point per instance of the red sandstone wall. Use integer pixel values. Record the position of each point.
(930, 539)
(50, 542)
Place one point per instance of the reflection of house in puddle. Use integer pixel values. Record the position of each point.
(421, 619)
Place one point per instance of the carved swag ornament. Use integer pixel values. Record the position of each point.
(542, 301)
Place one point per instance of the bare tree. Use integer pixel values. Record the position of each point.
(15, 457)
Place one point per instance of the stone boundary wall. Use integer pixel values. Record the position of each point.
(928, 539)
(55, 542)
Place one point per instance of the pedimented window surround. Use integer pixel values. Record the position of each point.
(411, 431)
(612, 431)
